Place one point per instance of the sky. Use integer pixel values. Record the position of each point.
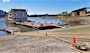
(44, 6)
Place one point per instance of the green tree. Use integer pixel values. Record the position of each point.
(65, 13)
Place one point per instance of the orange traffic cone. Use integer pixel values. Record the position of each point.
(73, 41)
(46, 34)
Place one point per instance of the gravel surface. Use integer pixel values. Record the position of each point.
(32, 44)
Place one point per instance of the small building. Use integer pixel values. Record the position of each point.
(17, 15)
(81, 12)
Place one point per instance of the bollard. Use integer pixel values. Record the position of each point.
(38, 32)
(46, 34)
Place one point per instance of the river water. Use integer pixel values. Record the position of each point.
(43, 20)
(4, 24)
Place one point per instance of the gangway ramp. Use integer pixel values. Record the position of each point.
(10, 29)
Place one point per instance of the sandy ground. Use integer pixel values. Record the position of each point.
(46, 41)
(32, 44)
(77, 32)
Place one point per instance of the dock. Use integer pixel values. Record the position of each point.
(10, 29)
(39, 25)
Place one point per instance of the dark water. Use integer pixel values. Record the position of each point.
(4, 24)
